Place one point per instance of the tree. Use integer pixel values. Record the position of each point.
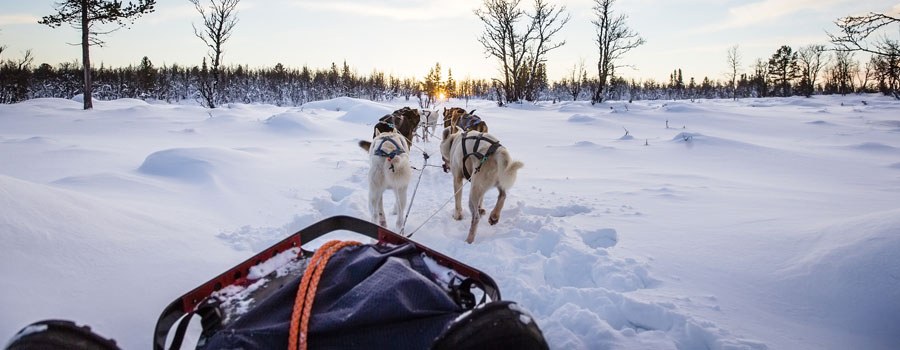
(85, 15)
(734, 64)
(520, 50)
(548, 20)
(841, 72)
(760, 80)
(812, 59)
(450, 86)
(219, 19)
(614, 39)
(783, 69)
(853, 36)
(146, 78)
(505, 42)
(887, 69)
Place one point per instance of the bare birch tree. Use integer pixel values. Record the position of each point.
(548, 20)
(734, 65)
(219, 19)
(854, 36)
(519, 41)
(614, 39)
(812, 58)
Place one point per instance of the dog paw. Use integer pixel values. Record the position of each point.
(481, 211)
(493, 219)
(470, 239)
(457, 216)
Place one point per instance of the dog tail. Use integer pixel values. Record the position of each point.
(365, 145)
(508, 167)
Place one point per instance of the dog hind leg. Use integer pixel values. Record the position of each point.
(495, 214)
(476, 196)
(376, 207)
(457, 195)
(401, 205)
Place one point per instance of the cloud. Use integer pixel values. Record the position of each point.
(403, 11)
(765, 11)
(18, 19)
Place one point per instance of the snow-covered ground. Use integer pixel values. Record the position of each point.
(756, 224)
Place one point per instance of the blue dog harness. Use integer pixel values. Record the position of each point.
(390, 156)
(468, 120)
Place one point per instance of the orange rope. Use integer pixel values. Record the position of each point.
(307, 292)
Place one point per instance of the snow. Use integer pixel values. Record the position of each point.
(753, 224)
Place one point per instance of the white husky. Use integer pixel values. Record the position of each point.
(479, 157)
(389, 169)
(428, 121)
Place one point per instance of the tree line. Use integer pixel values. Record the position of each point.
(518, 39)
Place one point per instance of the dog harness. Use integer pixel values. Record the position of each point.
(466, 154)
(390, 156)
(468, 120)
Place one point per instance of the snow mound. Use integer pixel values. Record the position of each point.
(56, 234)
(108, 181)
(357, 111)
(818, 122)
(195, 165)
(680, 107)
(687, 136)
(850, 272)
(873, 147)
(365, 113)
(47, 102)
(339, 104)
(626, 137)
(581, 118)
(293, 122)
(34, 140)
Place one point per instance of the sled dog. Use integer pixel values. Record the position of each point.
(428, 123)
(388, 169)
(467, 121)
(404, 120)
(480, 158)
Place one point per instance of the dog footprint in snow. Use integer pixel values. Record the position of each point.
(338, 193)
(602, 238)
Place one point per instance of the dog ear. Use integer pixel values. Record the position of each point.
(472, 112)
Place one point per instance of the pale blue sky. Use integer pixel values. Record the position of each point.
(406, 37)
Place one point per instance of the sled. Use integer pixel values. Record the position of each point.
(202, 301)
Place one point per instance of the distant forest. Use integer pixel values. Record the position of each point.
(20, 80)
(516, 38)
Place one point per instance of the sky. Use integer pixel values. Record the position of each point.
(407, 37)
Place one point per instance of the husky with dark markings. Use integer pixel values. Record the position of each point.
(467, 121)
(404, 120)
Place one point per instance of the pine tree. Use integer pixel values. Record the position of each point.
(450, 86)
(783, 69)
(85, 14)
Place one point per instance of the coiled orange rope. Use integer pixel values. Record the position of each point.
(307, 292)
